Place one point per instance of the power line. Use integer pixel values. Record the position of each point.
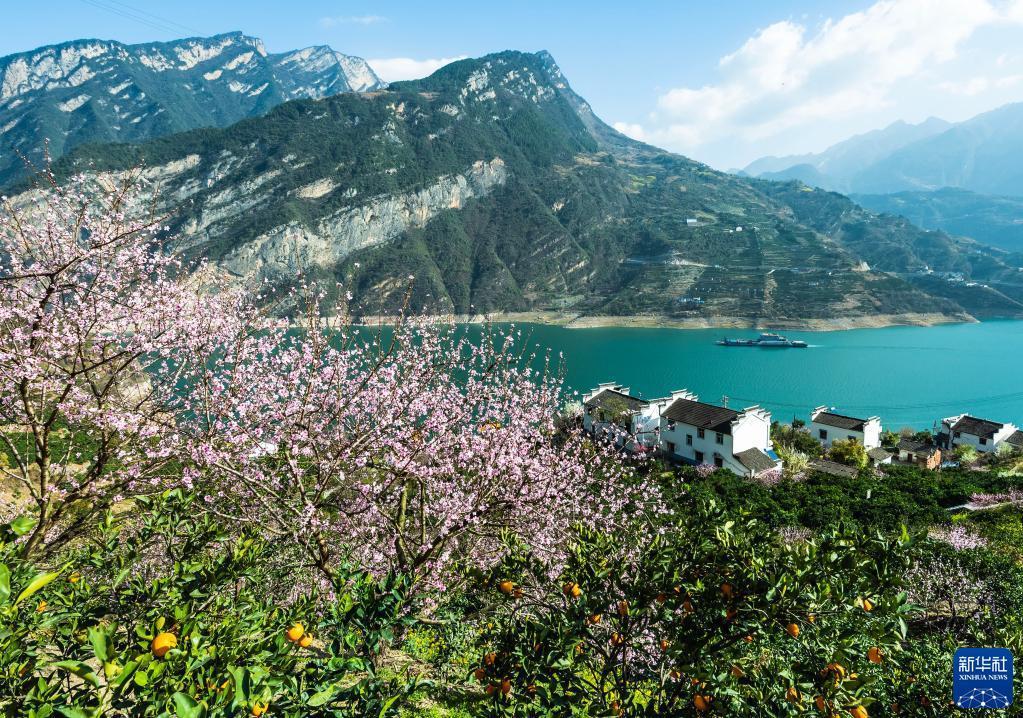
(142, 17)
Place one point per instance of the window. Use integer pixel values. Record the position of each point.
(671, 426)
(689, 439)
(699, 457)
(699, 433)
(823, 433)
(983, 441)
(958, 434)
(719, 438)
(671, 447)
(851, 437)
(719, 462)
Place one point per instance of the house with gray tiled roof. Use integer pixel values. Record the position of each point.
(610, 411)
(696, 432)
(981, 434)
(828, 426)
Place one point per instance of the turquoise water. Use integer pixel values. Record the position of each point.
(909, 376)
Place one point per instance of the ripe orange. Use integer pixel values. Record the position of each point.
(163, 643)
(748, 639)
(726, 590)
(687, 606)
(491, 688)
(731, 613)
(506, 587)
(490, 658)
(702, 703)
(737, 672)
(479, 674)
(306, 640)
(259, 709)
(661, 597)
(572, 590)
(294, 633)
(792, 695)
(820, 703)
(617, 639)
(664, 644)
(868, 606)
(506, 687)
(875, 655)
(837, 669)
(594, 619)
(623, 608)
(858, 712)
(793, 630)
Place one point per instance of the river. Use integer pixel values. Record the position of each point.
(909, 376)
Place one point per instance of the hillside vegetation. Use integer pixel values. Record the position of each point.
(498, 189)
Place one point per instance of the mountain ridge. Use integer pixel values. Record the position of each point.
(104, 90)
(496, 186)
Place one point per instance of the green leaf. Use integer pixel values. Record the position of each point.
(100, 640)
(22, 525)
(82, 670)
(387, 705)
(38, 583)
(72, 712)
(5, 582)
(187, 707)
(141, 679)
(322, 697)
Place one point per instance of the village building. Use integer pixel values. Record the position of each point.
(699, 433)
(827, 427)
(922, 454)
(611, 412)
(982, 434)
(879, 457)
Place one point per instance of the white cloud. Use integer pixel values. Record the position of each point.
(334, 21)
(631, 129)
(790, 82)
(392, 69)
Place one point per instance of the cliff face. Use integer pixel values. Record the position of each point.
(496, 186)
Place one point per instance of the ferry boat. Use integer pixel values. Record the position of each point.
(764, 340)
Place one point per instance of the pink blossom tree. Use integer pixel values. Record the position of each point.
(409, 449)
(90, 311)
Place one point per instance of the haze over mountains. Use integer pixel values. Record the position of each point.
(105, 91)
(497, 187)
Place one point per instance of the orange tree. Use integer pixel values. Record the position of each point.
(172, 615)
(710, 616)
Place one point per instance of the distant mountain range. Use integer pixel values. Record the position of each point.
(496, 186)
(965, 178)
(104, 91)
(981, 155)
(837, 167)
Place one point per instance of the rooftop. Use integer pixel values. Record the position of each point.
(840, 421)
(756, 460)
(834, 468)
(700, 415)
(1016, 439)
(611, 396)
(917, 447)
(976, 427)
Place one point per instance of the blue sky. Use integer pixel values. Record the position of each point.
(724, 82)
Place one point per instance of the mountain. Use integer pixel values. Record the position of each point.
(835, 167)
(981, 155)
(498, 188)
(104, 91)
(990, 219)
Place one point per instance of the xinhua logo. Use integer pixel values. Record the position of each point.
(982, 678)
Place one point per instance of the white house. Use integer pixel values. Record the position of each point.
(610, 411)
(827, 426)
(700, 433)
(981, 434)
